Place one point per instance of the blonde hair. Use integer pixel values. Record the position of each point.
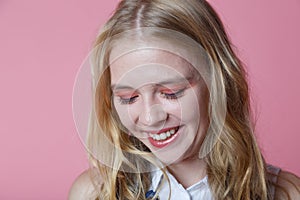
(235, 167)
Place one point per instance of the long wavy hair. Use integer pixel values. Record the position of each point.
(235, 167)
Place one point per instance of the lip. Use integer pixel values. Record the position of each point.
(161, 144)
(162, 130)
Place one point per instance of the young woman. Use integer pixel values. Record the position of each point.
(171, 116)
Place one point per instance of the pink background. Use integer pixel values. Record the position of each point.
(42, 45)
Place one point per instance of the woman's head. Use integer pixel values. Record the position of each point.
(184, 39)
(140, 25)
(161, 100)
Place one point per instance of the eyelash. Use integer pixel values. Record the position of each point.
(130, 100)
(173, 96)
(169, 96)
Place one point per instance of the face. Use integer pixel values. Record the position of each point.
(161, 100)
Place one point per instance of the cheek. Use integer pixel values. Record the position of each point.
(190, 108)
(127, 115)
(172, 108)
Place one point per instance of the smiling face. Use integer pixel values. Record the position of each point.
(162, 100)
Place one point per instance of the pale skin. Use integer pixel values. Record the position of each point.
(151, 106)
(160, 89)
(144, 106)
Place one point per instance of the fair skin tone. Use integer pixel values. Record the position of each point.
(153, 91)
(150, 103)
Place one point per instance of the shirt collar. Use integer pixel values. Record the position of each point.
(157, 176)
(199, 184)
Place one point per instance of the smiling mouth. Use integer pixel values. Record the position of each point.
(163, 137)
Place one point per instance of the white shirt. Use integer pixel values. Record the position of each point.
(199, 190)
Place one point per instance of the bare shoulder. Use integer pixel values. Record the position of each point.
(290, 183)
(83, 188)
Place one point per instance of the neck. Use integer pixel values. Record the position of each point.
(188, 172)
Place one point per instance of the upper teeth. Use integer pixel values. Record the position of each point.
(163, 135)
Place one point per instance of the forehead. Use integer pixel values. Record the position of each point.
(146, 66)
(160, 52)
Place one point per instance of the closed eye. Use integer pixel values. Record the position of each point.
(128, 100)
(173, 96)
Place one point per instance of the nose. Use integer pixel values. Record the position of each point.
(153, 115)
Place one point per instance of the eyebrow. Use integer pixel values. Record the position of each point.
(166, 82)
